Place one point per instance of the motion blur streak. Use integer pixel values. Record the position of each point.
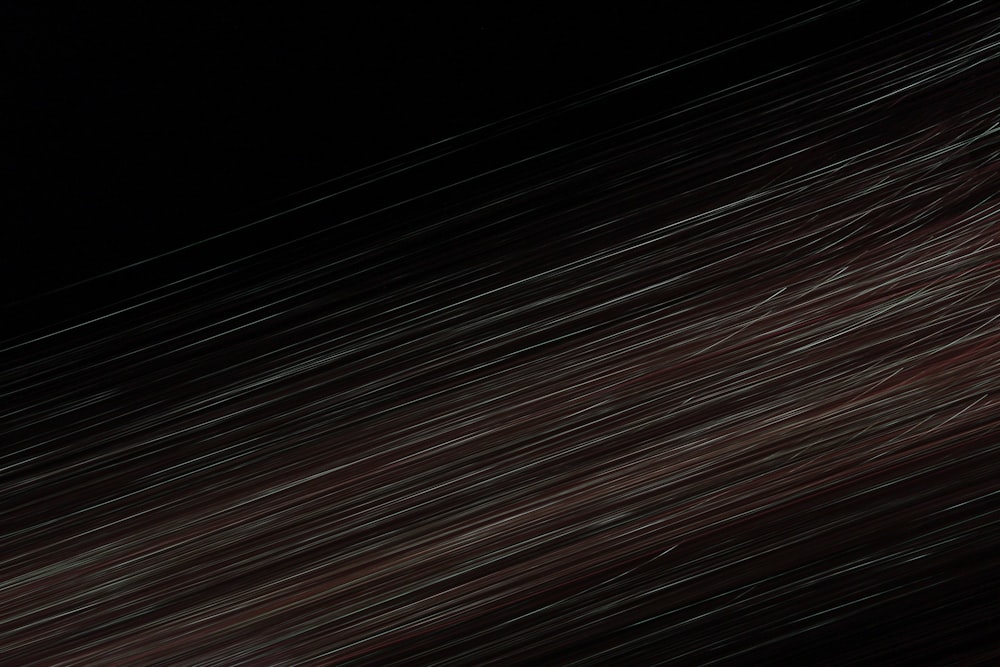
(720, 385)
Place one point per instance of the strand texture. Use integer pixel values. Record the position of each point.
(718, 385)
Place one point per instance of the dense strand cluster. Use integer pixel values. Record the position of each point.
(721, 384)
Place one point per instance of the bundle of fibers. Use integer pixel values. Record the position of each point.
(716, 385)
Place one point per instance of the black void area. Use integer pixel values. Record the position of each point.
(135, 134)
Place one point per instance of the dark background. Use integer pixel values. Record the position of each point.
(131, 134)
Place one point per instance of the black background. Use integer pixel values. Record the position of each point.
(133, 134)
